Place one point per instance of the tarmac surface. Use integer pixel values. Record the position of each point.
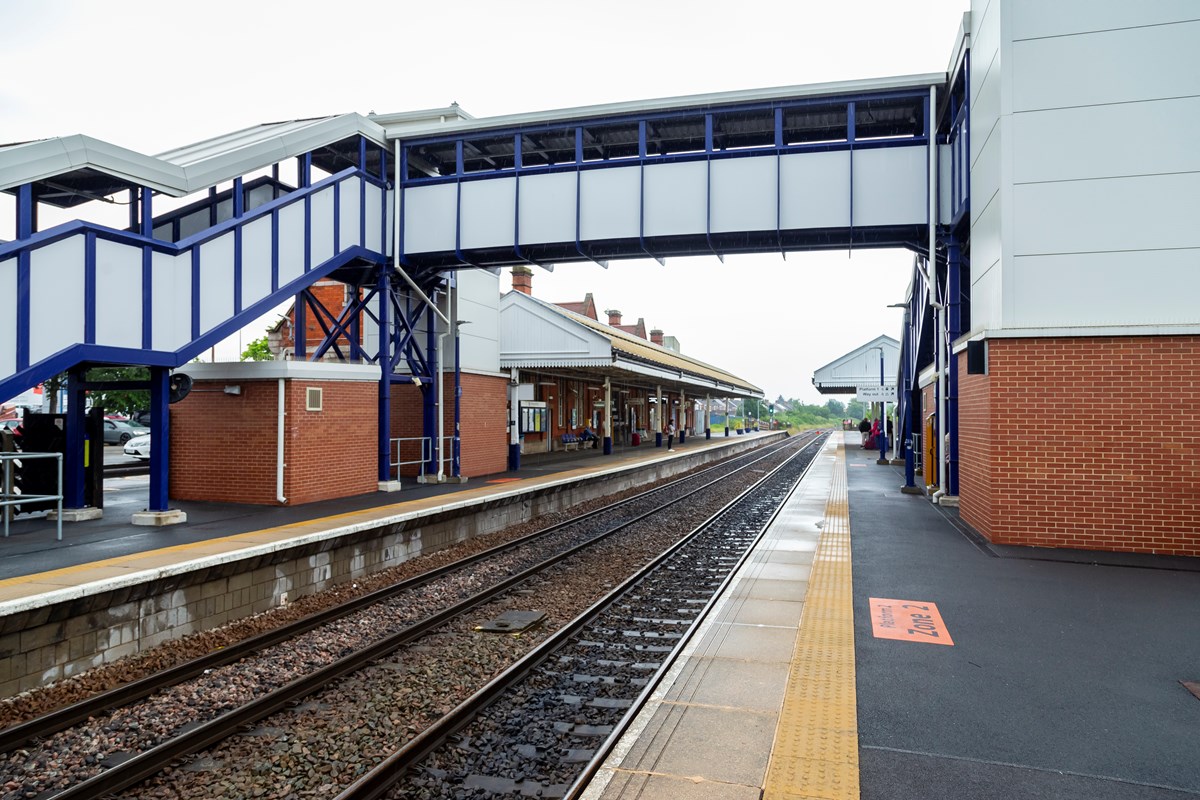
(1063, 680)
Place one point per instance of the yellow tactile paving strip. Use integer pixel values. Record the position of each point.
(815, 754)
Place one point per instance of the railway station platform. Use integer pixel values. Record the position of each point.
(872, 646)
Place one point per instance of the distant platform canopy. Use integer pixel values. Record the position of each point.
(860, 367)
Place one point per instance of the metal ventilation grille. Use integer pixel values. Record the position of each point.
(312, 398)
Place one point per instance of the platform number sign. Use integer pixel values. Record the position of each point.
(908, 621)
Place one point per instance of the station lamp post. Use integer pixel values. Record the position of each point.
(883, 443)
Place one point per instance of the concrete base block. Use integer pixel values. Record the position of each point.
(389, 486)
(883, 462)
(158, 519)
(948, 500)
(430, 479)
(459, 479)
(77, 514)
(911, 490)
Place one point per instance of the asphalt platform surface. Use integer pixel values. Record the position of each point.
(1064, 677)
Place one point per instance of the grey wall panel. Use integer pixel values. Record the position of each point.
(985, 112)
(815, 190)
(216, 281)
(374, 221)
(118, 294)
(390, 225)
(1107, 141)
(1135, 288)
(891, 186)
(488, 211)
(986, 295)
(745, 194)
(548, 208)
(1120, 66)
(171, 306)
(676, 198)
(1143, 213)
(56, 303)
(256, 261)
(985, 174)
(478, 297)
(321, 226)
(610, 203)
(945, 175)
(429, 218)
(1036, 18)
(8, 317)
(985, 260)
(191, 224)
(349, 213)
(291, 243)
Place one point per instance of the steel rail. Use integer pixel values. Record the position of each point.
(52, 722)
(152, 761)
(383, 778)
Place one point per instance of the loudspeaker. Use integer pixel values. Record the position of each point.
(179, 385)
(977, 357)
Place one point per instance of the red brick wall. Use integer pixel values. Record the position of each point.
(1095, 444)
(331, 295)
(223, 447)
(484, 408)
(977, 458)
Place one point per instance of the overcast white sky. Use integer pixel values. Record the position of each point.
(156, 75)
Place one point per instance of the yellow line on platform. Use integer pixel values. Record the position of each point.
(815, 754)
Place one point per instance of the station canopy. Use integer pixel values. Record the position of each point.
(860, 368)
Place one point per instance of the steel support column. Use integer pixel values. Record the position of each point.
(73, 466)
(429, 409)
(953, 331)
(385, 378)
(160, 442)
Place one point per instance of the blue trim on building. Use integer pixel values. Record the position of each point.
(89, 288)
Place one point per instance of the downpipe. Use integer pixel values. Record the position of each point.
(279, 465)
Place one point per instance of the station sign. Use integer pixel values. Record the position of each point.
(876, 394)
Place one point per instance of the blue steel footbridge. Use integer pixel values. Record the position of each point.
(394, 204)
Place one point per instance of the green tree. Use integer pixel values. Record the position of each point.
(836, 407)
(855, 410)
(258, 350)
(121, 401)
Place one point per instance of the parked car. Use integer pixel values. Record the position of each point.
(118, 431)
(139, 447)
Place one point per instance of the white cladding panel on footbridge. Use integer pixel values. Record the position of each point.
(373, 197)
(256, 261)
(118, 294)
(216, 281)
(488, 211)
(891, 186)
(815, 190)
(745, 194)
(320, 225)
(676, 198)
(171, 303)
(610, 203)
(429, 217)
(349, 214)
(291, 243)
(56, 301)
(547, 209)
(8, 318)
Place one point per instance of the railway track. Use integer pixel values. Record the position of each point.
(126, 746)
(543, 727)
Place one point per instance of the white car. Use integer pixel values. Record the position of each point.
(139, 447)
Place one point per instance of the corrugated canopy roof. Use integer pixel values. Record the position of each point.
(636, 348)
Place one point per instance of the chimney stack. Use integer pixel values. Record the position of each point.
(656, 336)
(523, 280)
(614, 317)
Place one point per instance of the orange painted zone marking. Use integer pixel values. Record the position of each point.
(908, 621)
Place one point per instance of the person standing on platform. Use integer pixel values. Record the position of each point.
(671, 437)
(864, 428)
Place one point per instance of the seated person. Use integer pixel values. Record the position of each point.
(586, 435)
